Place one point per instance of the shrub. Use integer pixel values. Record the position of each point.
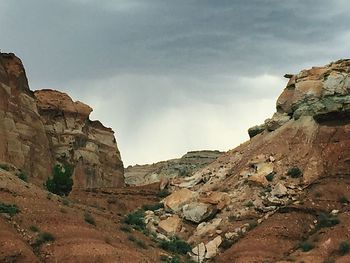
(306, 246)
(22, 175)
(153, 207)
(61, 182)
(34, 228)
(163, 193)
(326, 220)
(294, 172)
(344, 248)
(269, 177)
(65, 201)
(132, 238)
(42, 238)
(4, 167)
(141, 244)
(9, 209)
(125, 229)
(343, 200)
(89, 219)
(136, 219)
(175, 245)
(249, 204)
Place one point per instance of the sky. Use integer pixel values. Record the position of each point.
(171, 76)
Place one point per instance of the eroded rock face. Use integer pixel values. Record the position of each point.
(23, 140)
(182, 167)
(74, 138)
(40, 129)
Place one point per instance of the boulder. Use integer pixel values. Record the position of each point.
(212, 247)
(197, 212)
(178, 199)
(171, 225)
(220, 199)
(279, 190)
(199, 253)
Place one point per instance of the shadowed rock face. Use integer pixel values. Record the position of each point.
(45, 127)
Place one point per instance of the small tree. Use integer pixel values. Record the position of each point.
(61, 182)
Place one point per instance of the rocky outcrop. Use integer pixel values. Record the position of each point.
(182, 167)
(23, 139)
(75, 139)
(42, 128)
(276, 189)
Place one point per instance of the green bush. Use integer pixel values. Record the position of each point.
(343, 200)
(22, 175)
(269, 177)
(89, 219)
(326, 220)
(42, 238)
(344, 248)
(294, 172)
(9, 209)
(306, 246)
(61, 182)
(126, 229)
(249, 204)
(65, 201)
(34, 229)
(175, 245)
(141, 244)
(4, 167)
(153, 207)
(136, 219)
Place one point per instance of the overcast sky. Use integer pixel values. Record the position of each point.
(171, 76)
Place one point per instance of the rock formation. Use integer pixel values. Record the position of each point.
(260, 201)
(182, 167)
(87, 145)
(45, 127)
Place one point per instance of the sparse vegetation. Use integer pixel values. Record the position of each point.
(343, 200)
(125, 228)
(344, 248)
(249, 204)
(269, 177)
(61, 182)
(226, 243)
(175, 245)
(138, 242)
(136, 219)
(4, 167)
(42, 238)
(34, 228)
(152, 207)
(306, 246)
(294, 172)
(252, 224)
(163, 193)
(10, 209)
(22, 175)
(232, 218)
(326, 220)
(65, 201)
(89, 219)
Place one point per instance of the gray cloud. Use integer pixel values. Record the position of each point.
(169, 75)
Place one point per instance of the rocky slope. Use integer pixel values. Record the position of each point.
(182, 167)
(283, 195)
(43, 128)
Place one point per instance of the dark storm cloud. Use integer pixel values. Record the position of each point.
(162, 59)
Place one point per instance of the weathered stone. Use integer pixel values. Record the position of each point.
(255, 130)
(220, 199)
(279, 190)
(212, 247)
(171, 225)
(199, 252)
(178, 199)
(197, 212)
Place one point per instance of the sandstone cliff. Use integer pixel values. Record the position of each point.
(286, 187)
(182, 167)
(42, 128)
